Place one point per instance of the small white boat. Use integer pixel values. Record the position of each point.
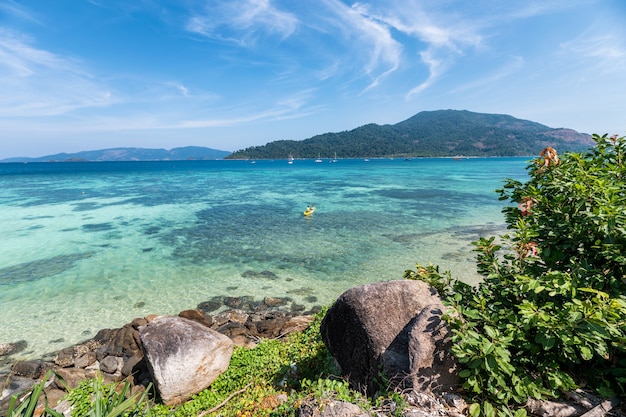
(290, 159)
(318, 160)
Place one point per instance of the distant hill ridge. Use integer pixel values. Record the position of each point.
(131, 154)
(437, 133)
(430, 134)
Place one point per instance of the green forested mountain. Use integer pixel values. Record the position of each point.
(429, 134)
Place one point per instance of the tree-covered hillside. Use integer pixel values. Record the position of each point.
(429, 134)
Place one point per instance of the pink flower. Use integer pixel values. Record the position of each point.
(549, 156)
(526, 205)
(528, 249)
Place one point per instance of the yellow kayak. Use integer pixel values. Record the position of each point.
(309, 211)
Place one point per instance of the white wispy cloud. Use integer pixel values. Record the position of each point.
(243, 21)
(328, 72)
(435, 69)
(19, 59)
(12, 8)
(605, 51)
(432, 37)
(286, 107)
(35, 82)
(534, 8)
(180, 87)
(434, 28)
(441, 35)
(373, 39)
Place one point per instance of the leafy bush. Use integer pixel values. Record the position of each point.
(91, 398)
(550, 313)
(94, 398)
(27, 405)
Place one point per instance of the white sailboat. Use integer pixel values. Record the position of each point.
(290, 159)
(318, 160)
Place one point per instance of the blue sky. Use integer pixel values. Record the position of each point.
(92, 74)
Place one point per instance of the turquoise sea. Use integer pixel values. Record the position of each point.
(87, 246)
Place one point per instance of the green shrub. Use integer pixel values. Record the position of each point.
(27, 405)
(94, 398)
(550, 312)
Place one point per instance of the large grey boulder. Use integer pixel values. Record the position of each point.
(183, 356)
(394, 327)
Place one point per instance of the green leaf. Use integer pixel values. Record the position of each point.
(488, 409)
(465, 373)
(586, 353)
(474, 409)
(490, 332)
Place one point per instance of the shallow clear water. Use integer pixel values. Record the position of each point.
(87, 246)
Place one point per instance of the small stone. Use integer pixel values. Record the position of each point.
(12, 348)
(238, 316)
(65, 358)
(243, 341)
(73, 377)
(313, 311)
(29, 369)
(85, 360)
(151, 317)
(233, 302)
(296, 324)
(131, 364)
(110, 364)
(274, 301)
(5, 348)
(198, 316)
(297, 307)
(138, 322)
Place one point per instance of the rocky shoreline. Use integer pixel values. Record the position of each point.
(10, 350)
(117, 353)
(409, 341)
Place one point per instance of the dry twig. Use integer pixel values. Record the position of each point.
(223, 403)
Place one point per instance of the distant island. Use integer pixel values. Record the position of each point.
(440, 133)
(130, 154)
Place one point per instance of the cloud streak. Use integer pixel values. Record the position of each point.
(605, 51)
(36, 82)
(384, 51)
(242, 22)
(436, 44)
